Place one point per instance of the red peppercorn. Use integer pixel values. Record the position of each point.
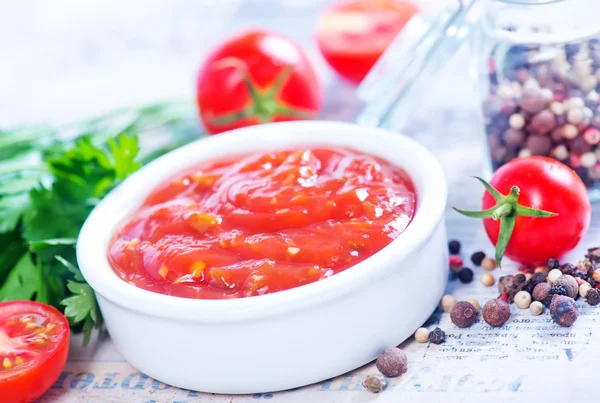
(456, 262)
(504, 297)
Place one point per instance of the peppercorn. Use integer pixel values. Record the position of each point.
(447, 303)
(465, 275)
(477, 258)
(392, 362)
(475, 304)
(510, 285)
(456, 263)
(593, 296)
(554, 275)
(584, 289)
(454, 247)
(567, 268)
(558, 289)
(523, 299)
(488, 264)
(538, 278)
(596, 275)
(373, 383)
(552, 264)
(496, 312)
(488, 280)
(571, 287)
(437, 336)
(541, 269)
(594, 254)
(563, 310)
(421, 335)
(463, 314)
(536, 308)
(541, 291)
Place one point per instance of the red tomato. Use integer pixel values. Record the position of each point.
(352, 34)
(545, 184)
(34, 343)
(256, 77)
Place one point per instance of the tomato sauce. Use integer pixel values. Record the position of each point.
(261, 223)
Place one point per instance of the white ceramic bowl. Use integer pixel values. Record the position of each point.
(290, 338)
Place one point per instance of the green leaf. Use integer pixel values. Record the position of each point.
(42, 294)
(81, 304)
(22, 281)
(88, 326)
(499, 197)
(124, 150)
(12, 209)
(71, 267)
(477, 214)
(12, 248)
(52, 242)
(530, 212)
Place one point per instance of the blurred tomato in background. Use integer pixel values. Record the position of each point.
(352, 34)
(256, 76)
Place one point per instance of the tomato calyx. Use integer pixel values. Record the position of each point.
(507, 209)
(264, 103)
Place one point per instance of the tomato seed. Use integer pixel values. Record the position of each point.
(26, 319)
(18, 361)
(31, 326)
(6, 363)
(38, 342)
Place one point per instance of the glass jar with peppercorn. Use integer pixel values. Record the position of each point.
(540, 81)
(536, 66)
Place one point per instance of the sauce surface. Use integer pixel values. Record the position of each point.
(264, 222)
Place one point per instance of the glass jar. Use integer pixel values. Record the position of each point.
(539, 72)
(536, 67)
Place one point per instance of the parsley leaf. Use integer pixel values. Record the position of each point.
(81, 304)
(22, 281)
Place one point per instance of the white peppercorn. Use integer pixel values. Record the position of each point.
(575, 116)
(561, 152)
(523, 299)
(422, 335)
(583, 289)
(475, 304)
(588, 159)
(516, 121)
(554, 275)
(488, 264)
(525, 152)
(488, 280)
(448, 302)
(569, 131)
(536, 308)
(557, 108)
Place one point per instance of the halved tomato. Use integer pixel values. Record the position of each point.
(352, 34)
(34, 343)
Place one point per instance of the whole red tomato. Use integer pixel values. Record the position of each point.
(34, 344)
(541, 184)
(352, 34)
(255, 77)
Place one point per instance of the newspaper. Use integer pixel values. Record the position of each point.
(528, 358)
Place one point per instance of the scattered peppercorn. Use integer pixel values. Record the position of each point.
(496, 312)
(447, 303)
(571, 286)
(373, 383)
(456, 263)
(463, 314)
(536, 308)
(541, 291)
(538, 278)
(563, 310)
(523, 299)
(554, 275)
(594, 254)
(475, 304)
(558, 289)
(488, 280)
(437, 336)
(567, 268)
(596, 275)
(422, 335)
(541, 269)
(477, 258)
(552, 264)
(488, 264)
(454, 247)
(511, 285)
(584, 289)
(465, 275)
(593, 296)
(392, 362)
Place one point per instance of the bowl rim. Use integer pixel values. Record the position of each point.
(93, 262)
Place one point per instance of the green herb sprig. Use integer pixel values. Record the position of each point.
(50, 180)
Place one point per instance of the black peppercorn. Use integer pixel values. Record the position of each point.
(454, 247)
(463, 314)
(465, 275)
(563, 310)
(593, 296)
(570, 284)
(567, 268)
(552, 263)
(477, 258)
(537, 278)
(594, 254)
(558, 290)
(437, 336)
(541, 291)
